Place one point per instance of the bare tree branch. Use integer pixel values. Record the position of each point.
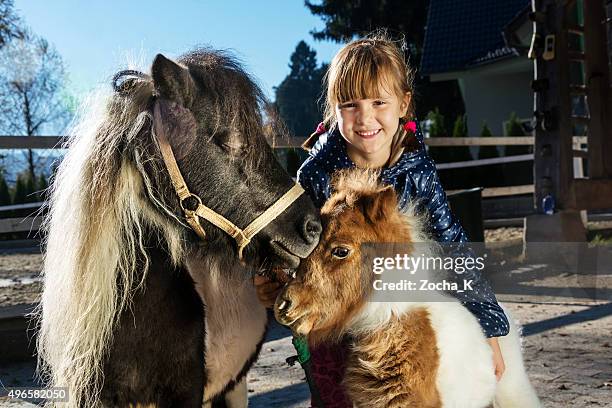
(32, 80)
(10, 24)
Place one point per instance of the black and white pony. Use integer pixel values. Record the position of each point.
(137, 308)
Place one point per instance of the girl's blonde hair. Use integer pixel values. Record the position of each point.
(362, 67)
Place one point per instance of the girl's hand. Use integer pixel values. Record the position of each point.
(267, 290)
(498, 359)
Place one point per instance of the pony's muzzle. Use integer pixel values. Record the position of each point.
(282, 309)
(284, 305)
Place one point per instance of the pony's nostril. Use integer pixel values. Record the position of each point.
(311, 229)
(284, 305)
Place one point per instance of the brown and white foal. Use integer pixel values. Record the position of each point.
(410, 354)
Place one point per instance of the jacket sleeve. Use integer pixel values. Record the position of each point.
(314, 180)
(480, 301)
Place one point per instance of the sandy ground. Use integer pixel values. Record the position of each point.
(19, 277)
(567, 335)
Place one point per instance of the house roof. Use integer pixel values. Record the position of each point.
(464, 33)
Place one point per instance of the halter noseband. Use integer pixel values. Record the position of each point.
(242, 236)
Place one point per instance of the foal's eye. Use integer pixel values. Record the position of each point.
(340, 252)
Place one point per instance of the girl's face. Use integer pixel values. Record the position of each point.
(368, 125)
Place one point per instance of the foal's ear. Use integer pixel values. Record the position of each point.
(172, 81)
(177, 123)
(379, 205)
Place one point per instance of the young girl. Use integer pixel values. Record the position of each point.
(368, 106)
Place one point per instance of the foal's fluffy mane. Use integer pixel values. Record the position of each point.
(101, 204)
(351, 184)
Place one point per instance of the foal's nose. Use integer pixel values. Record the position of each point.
(311, 229)
(284, 304)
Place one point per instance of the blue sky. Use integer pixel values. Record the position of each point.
(96, 38)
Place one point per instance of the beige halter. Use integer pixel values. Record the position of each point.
(242, 237)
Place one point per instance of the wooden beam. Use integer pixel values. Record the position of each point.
(32, 142)
(21, 206)
(20, 224)
(480, 141)
(485, 162)
(490, 192)
(591, 194)
(598, 86)
(507, 191)
(580, 153)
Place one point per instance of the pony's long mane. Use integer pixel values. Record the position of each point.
(101, 205)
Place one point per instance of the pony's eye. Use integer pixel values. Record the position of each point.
(340, 252)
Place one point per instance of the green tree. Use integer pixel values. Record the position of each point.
(347, 19)
(460, 153)
(297, 96)
(491, 175)
(41, 187)
(437, 128)
(487, 152)
(19, 193)
(24, 189)
(5, 195)
(513, 128)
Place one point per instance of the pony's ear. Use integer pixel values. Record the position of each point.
(172, 81)
(177, 123)
(379, 205)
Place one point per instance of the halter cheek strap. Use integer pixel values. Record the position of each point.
(241, 236)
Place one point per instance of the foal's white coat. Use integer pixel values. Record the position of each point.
(465, 377)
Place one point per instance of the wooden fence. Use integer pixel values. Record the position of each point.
(32, 223)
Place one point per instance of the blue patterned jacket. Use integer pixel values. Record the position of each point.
(414, 176)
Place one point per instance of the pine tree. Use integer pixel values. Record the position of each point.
(297, 96)
(438, 129)
(490, 175)
(24, 189)
(5, 195)
(41, 187)
(30, 186)
(20, 194)
(487, 152)
(460, 153)
(513, 128)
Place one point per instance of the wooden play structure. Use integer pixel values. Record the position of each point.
(572, 112)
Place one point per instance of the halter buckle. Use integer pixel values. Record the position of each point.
(187, 197)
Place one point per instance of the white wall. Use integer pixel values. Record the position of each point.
(493, 98)
(493, 91)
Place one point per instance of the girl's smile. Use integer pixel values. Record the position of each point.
(368, 134)
(368, 126)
